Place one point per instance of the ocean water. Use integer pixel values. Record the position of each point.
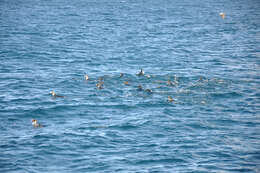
(213, 124)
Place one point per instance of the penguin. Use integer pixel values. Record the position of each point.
(100, 85)
(86, 77)
(169, 82)
(139, 88)
(170, 99)
(35, 123)
(55, 95)
(222, 15)
(126, 83)
(148, 91)
(141, 73)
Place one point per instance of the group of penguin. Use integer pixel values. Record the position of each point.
(100, 84)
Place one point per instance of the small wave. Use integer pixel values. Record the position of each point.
(161, 161)
(225, 95)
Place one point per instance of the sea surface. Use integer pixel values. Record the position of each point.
(210, 66)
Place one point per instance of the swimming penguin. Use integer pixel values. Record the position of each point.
(100, 85)
(126, 83)
(148, 90)
(175, 80)
(170, 99)
(121, 75)
(169, 82)
(203, 102)
(35, 123)
(139, 88)
(55, 95)
(86, 77)
(141, 73)
(201, 79)
(222, 15)
(148, 76)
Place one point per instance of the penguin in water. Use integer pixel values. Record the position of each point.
(86, 77)
(175, 80)
(169, 83)
(55, 95)
(202, 79)
(170, 99)
(222, 15)
(35, 123)
(100, 85)
(121, 75)
(139, 88)
(148, 76)
(148, 91)
(141, 73)
(126, 83)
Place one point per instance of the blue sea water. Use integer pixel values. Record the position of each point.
(213, 124)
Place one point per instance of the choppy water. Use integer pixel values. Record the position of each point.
(213, 124)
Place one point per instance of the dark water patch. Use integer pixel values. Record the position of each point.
(225, 95)
(124, 127)
(160, 161)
